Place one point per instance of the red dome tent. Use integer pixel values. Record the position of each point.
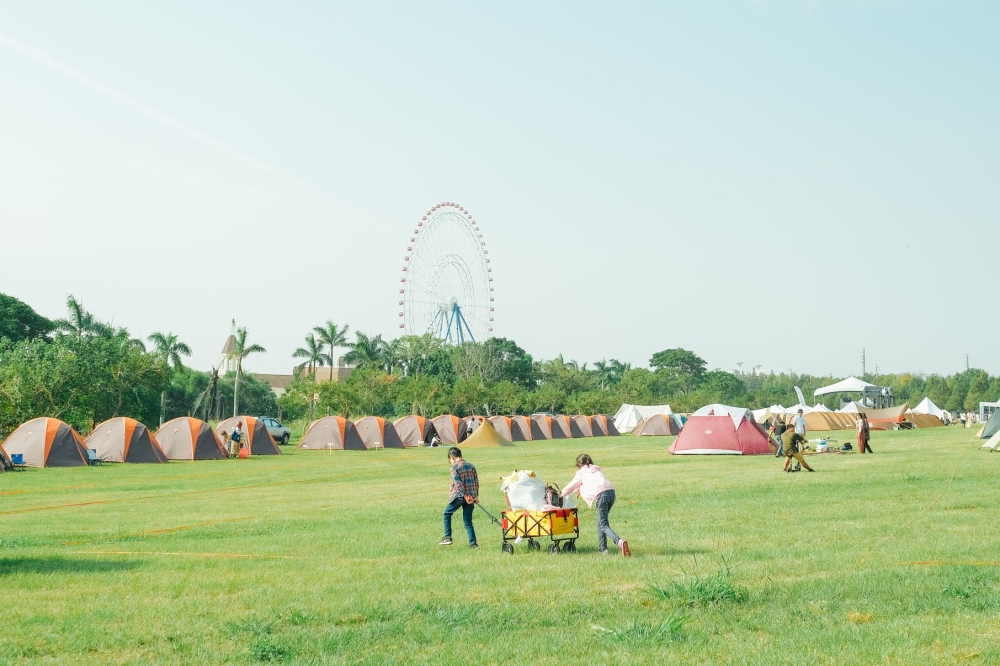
(414, 430)
(332, 433)
(720, 429)
(46, 442)
(377, 433)
(258, 438)
(188, 438)
(125, 440)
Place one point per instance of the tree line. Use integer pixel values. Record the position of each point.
(83, 371)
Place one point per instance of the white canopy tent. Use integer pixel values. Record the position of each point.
(820, 407)
(849, 408)
(928, 407)
(849, 385)
(628, 416)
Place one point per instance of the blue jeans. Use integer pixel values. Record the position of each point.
(467, 509)
(603, 503)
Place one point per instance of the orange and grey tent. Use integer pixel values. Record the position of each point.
(657, 425)
(599, 425)
(377, 433)
(258, 438)
(450, 428)
(609, 424)
(5, 462)
(520, 429)
(475, 421)
(46, 442)
(125, 440)
(502, 425)
(188, 438)
(332, 433)
(579, 426)
(414, 430)
(485, 436)
(541, 427)
(560, 427)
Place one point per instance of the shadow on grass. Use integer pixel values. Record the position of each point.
(50, 565)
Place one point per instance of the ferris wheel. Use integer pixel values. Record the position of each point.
(447, 284)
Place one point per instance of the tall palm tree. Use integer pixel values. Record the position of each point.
(366, 351)
(239, 352)
(603, 370)
(170, 349)
(618, 369)
(332, 336)
(80, 322)
(313, 355)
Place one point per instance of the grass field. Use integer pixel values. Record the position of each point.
(319, 557)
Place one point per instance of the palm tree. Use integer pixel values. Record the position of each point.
(618, 369)
(366, 351)
(239, 352)
(331, 336)
(313, 355)
(170, 349)
(80, 322)
(603, 371)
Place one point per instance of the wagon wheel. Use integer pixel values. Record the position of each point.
(553, 549)
(534, 545)
(570, 546)
(508, 548)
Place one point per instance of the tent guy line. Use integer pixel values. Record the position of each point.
(45, 59)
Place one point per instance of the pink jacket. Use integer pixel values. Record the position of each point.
(590, 481)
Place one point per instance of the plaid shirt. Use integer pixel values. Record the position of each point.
(464, 480)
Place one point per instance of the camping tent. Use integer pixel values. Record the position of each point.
(924, 420)
(658, 425)
(332, 433)
(829, 421)
(820, 407)
(610, 425)
(560, 427)
(188, 438)
(849, 385)
(579, 426)
(45, 442)
(599, 425)
(993, 443)
(450, 428)
(485, 436)
(414, 430)
(502, 425)
(520, 429)
(628, 416)
(258, 438)
(882, 419)
(925, 406)
(991, 428)
(475, 421)
(541, 427)
(125, 440)
(850, 408)
(377, 433)
(720, 429)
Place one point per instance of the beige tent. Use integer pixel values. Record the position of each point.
(46, 442)
(924, 420)
(658, 425)
(502, 425)
(541, 427)
(560, 427)
(450, 429)
(188, 438)
(579, 426)
(332, 433)
(377, 433)
(125, 440)
(520, 429)
(485, 436)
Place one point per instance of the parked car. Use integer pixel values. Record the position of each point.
(280, 433)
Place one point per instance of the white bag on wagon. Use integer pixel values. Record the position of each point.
(525, 491)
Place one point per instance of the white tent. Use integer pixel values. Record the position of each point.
(928, 407)
(628, 416)
(849, 408)
(794, 409)
(820, 407)
(737, 414)
(849, 385)
(993, 443)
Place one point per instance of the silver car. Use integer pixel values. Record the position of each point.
(280, 433)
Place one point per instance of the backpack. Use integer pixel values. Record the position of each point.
(552, 495)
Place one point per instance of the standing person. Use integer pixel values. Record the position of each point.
(595, 489)
(236, 436)
(800, 424)
(464, 495)
(779, 430)
(792, 440)
(864, 435)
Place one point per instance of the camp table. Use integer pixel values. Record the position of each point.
(560, 525)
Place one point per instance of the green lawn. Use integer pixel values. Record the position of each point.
(331, 557)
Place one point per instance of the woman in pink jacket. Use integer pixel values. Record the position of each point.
(597, 491)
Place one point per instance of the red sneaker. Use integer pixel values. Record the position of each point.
(623, 545)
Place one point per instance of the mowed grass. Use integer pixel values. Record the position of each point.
(331, 557)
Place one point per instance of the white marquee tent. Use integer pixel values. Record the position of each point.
(849, 385)
(628, 416)
(928, 407)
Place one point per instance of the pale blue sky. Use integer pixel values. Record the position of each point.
(646, 175)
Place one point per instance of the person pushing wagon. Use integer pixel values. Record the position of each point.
(597, 491)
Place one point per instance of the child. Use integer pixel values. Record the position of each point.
(595, 489)
(464, 495)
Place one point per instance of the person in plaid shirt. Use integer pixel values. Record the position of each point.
(464, 495)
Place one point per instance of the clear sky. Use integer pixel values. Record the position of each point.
(775, 182)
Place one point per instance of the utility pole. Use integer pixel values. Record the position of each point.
(966, 361)
(862, 361)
